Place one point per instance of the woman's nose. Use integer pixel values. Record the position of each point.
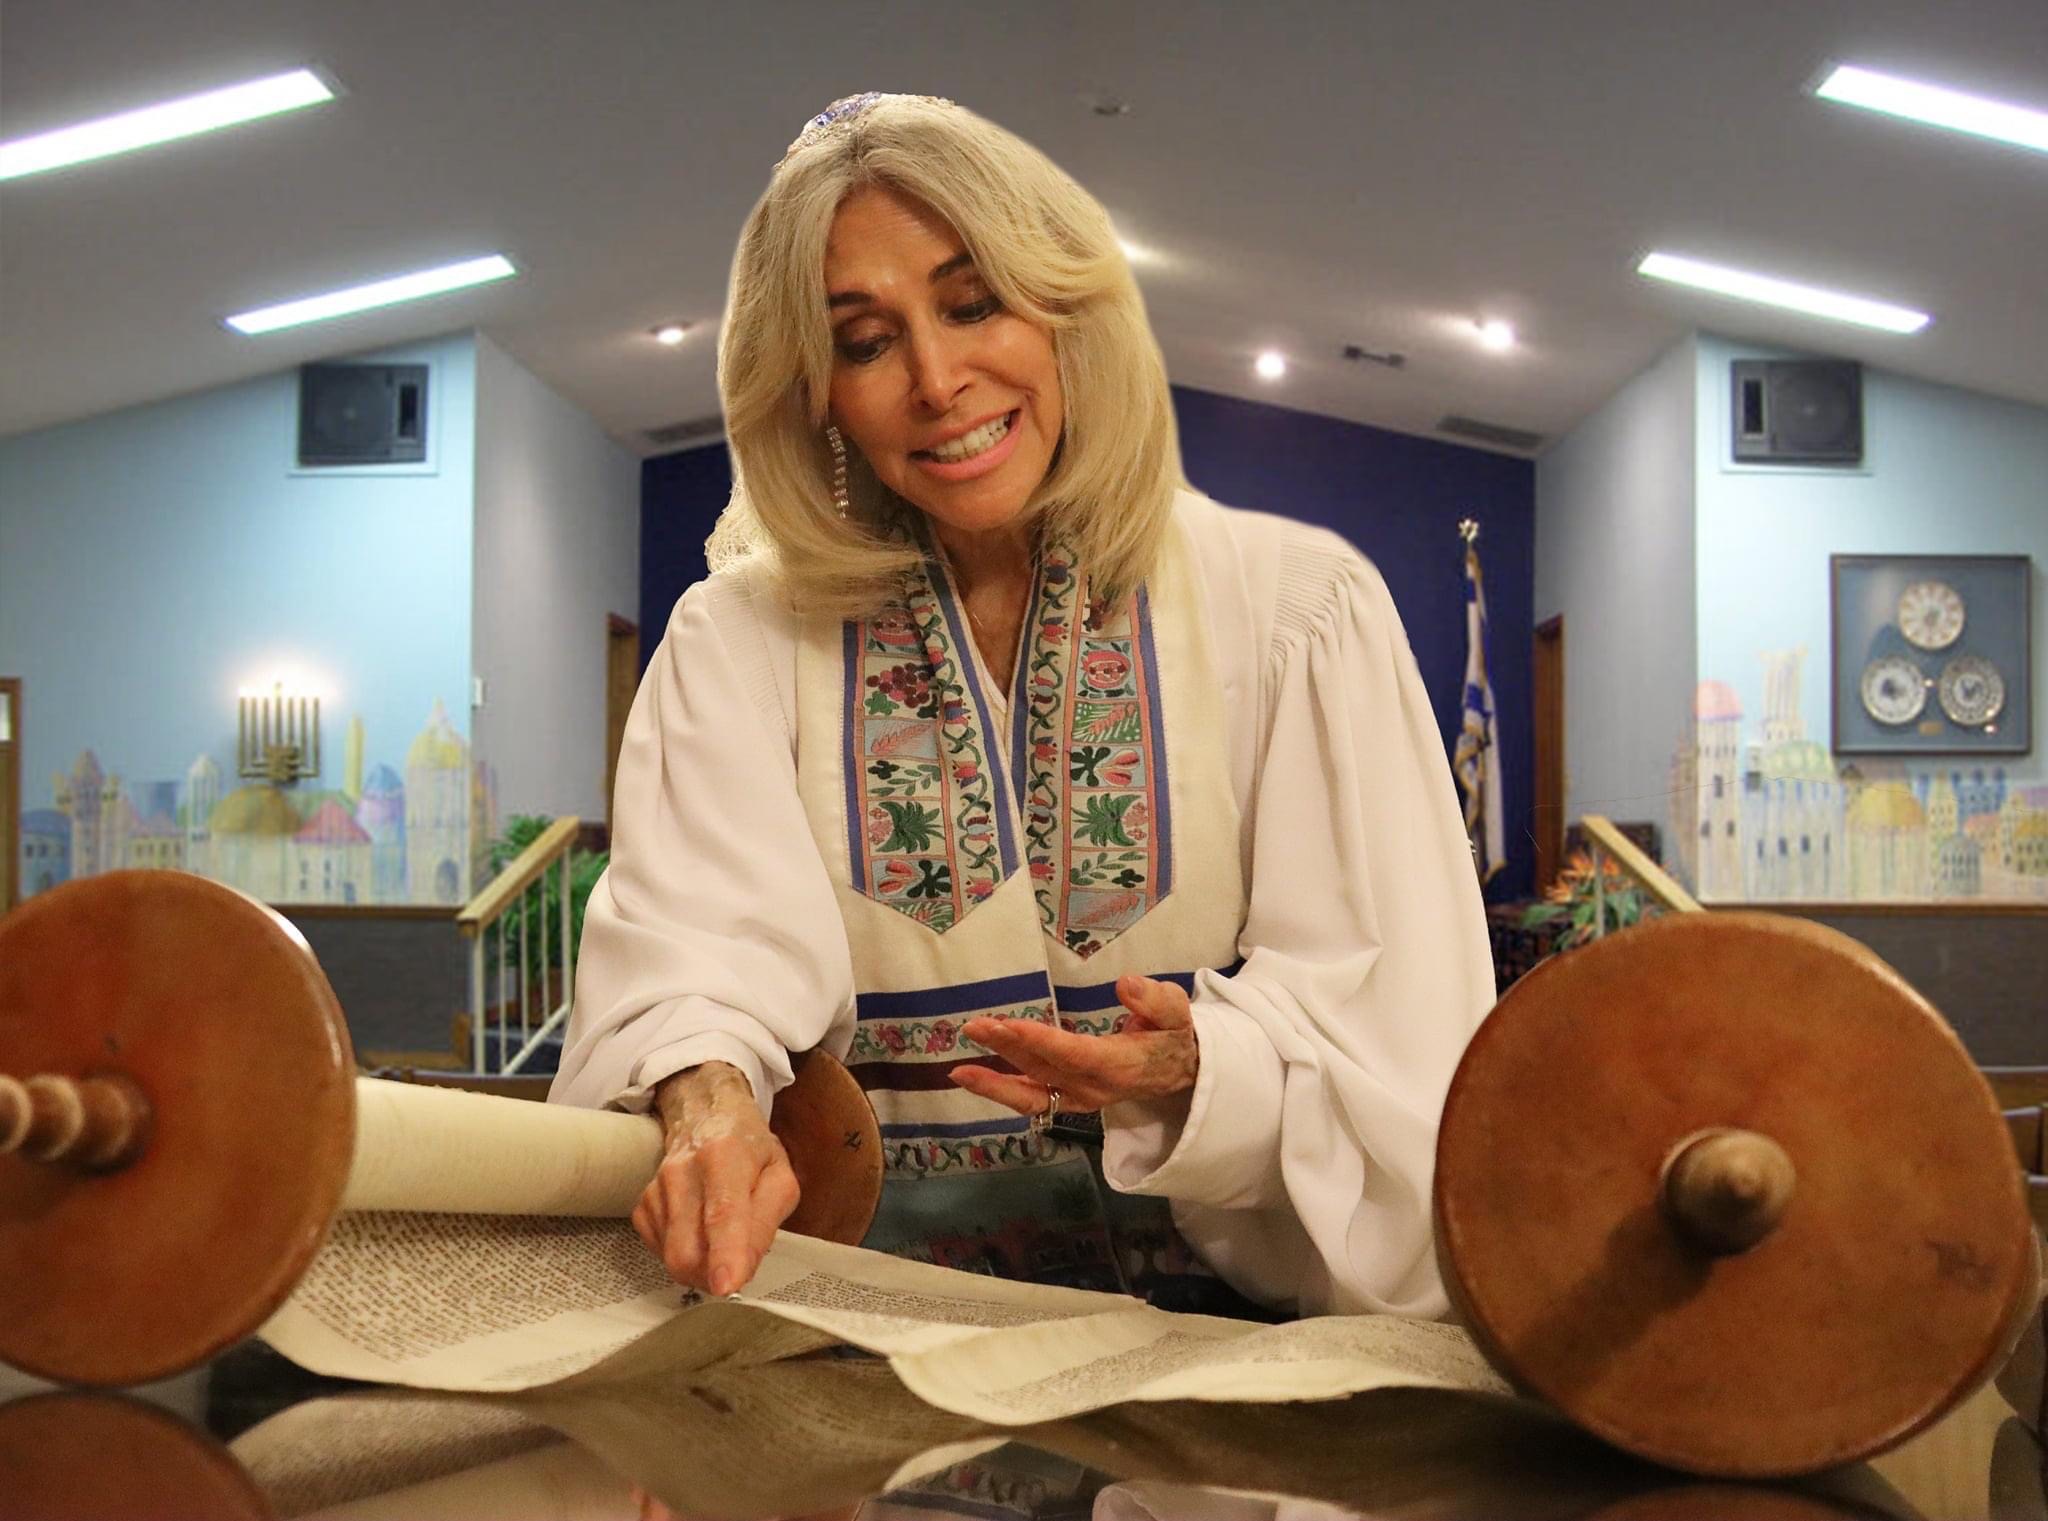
(938, 369)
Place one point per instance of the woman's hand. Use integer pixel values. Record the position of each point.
(1153, 1056)
(724, 1185)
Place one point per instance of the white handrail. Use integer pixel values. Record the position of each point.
(504, 911)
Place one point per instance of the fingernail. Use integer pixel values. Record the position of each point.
(721, 1281)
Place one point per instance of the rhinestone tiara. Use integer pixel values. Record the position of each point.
(843, 111)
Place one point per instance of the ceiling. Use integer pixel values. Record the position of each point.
(1309, 175)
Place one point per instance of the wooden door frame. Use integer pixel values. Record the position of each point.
(1547, 654)
(616, 629)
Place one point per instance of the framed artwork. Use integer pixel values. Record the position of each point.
(1930, 654)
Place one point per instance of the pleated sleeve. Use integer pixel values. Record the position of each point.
(713, 935)
(1302, 1170)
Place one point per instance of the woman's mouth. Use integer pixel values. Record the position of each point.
(974, 452)
(967, 445)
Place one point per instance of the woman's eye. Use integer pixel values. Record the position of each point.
(863, 350)
(977, 311)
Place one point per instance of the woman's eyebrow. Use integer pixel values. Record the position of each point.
(952, 266)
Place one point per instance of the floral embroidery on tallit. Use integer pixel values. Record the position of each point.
(929, 817)
(1093, 769)
(931, 833)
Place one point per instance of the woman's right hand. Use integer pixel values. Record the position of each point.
(724, 1185)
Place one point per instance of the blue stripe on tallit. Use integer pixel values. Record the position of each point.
(1162, 817)
(1020, 694)
(1102, 995)
(958, 998)
(997, 1126)
(963, 657)
(854, 822)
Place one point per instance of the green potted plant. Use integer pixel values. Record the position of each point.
(1575, 913)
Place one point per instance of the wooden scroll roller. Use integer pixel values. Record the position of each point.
(1732, 1196)
(180, 1120)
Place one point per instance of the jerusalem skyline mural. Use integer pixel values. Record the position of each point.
(384, 836)
(1773, 818)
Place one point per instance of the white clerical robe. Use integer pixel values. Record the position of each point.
(1301, 1172)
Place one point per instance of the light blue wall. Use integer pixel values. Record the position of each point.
(155, 560)
(557, 548)
(1945, 471)
(1615, 557)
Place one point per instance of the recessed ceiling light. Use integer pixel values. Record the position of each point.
(671, 333)
(1936, 106)
(162, 123)
(1772, 291)
(1496, 335)
(359, 298)
(1271, 365)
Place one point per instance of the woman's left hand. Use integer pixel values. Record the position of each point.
(1153, 1056)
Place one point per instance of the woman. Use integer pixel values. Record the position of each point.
(986, 745)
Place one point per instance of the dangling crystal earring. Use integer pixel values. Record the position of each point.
(838, 446)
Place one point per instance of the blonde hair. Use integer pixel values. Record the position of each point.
(1048, 252)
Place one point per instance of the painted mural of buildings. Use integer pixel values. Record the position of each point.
(45, 849)
(202, 796)
(252, 837)
(1887, 843)
(1706, 802)
(2022, 870)
(381, 813)
(1793, 804)
(437, 813)
(1803, 828)
(381, 838)
(99, 817)
(331, 858)
(155, 840)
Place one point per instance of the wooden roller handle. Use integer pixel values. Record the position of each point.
(95, 1123)
(1725, 1190)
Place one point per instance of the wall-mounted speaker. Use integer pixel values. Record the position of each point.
(1797, 411)
(362, 414)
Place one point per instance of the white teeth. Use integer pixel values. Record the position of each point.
(982, 439)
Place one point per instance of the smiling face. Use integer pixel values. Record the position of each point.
(953, 400)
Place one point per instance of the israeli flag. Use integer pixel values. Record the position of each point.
(1475, 758)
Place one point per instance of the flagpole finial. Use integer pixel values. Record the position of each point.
(1468, 530)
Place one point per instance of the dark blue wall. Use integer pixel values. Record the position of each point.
(681, 496)
(1397, 498)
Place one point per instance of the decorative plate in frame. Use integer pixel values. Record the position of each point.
(1958, 627)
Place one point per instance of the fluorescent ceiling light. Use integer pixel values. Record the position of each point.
(1772, 291)
(359, 298)
(1496, 335)
(1271, 365)
(162, 123)
(1936, 106)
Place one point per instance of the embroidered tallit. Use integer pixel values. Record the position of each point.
(1015, 870)
(1301, 1171)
